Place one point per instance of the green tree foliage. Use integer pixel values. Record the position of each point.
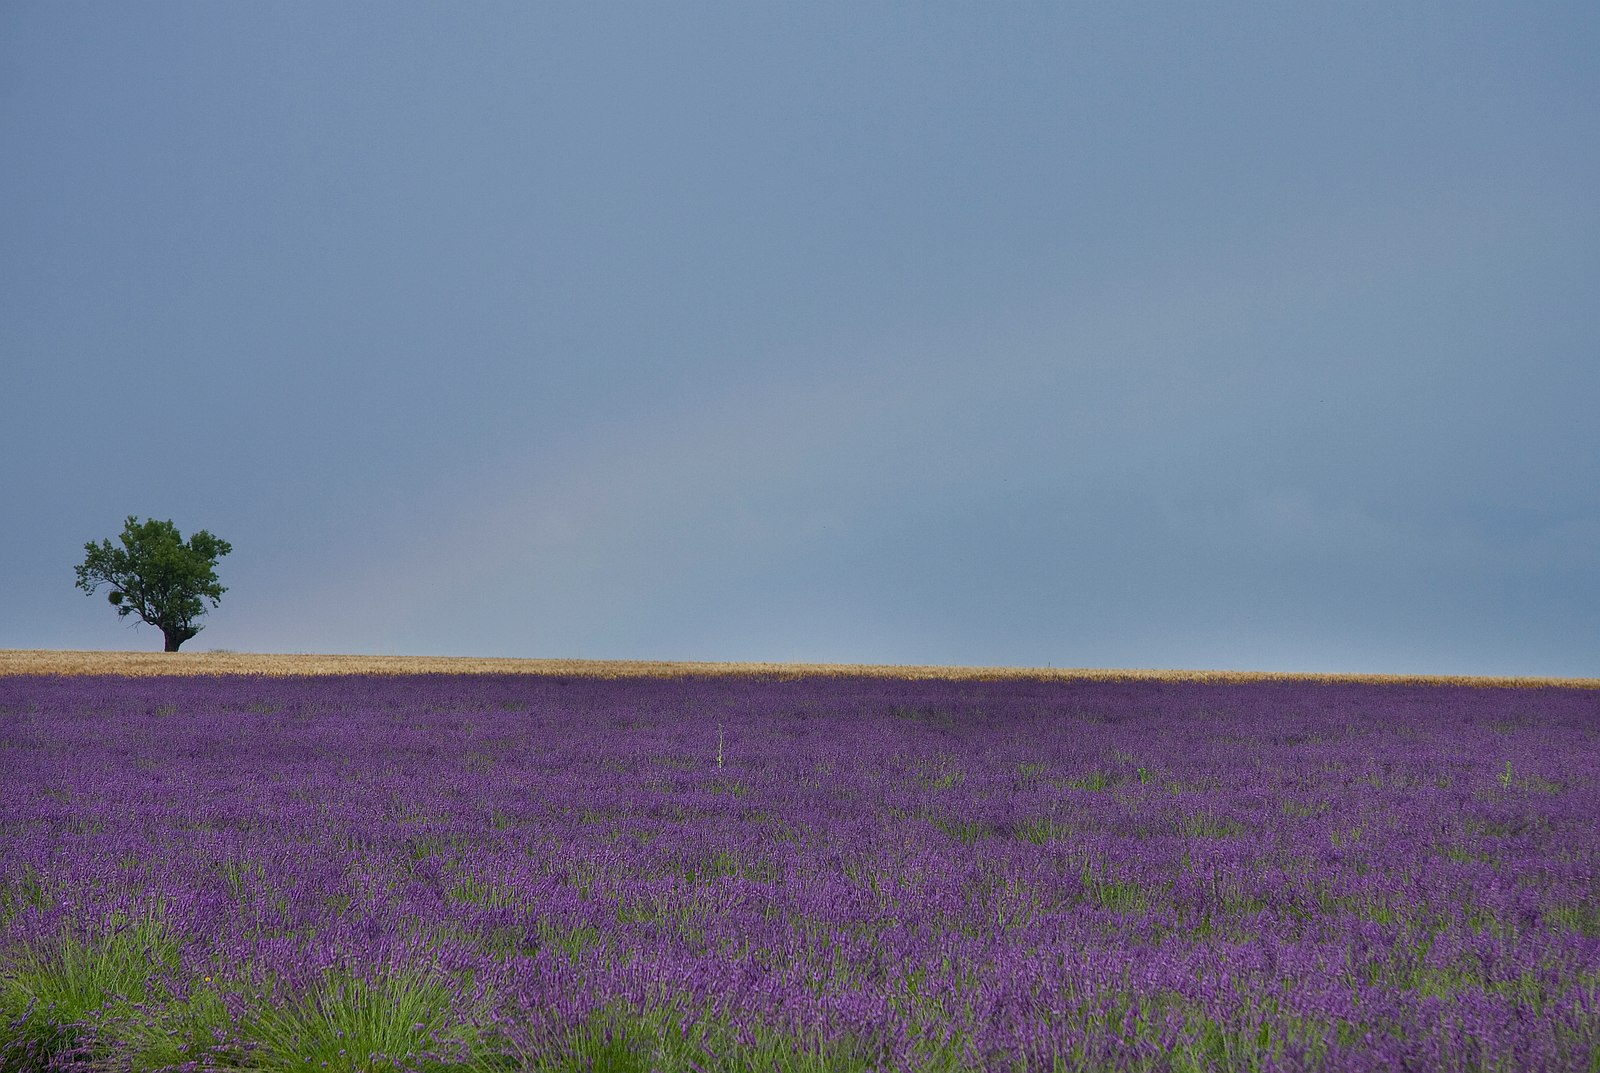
(157, 576)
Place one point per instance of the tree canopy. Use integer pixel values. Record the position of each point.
(156, 575)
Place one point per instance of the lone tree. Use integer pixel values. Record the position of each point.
(157, 576)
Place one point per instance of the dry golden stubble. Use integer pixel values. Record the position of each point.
(72, 662)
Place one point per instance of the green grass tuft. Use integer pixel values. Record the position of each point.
(400, 1020)
(1093, 781)
(1042, 830)
(77, 994)
(197, 1027)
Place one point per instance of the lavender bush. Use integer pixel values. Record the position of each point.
(497, 873)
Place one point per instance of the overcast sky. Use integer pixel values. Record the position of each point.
(1257, 336)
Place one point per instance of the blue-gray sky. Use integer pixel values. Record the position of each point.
(1252, 336)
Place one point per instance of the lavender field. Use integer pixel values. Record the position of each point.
(517, 872)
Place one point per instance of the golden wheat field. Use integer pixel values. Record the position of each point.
(73, 662)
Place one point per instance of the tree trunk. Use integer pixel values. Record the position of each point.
(174, 639)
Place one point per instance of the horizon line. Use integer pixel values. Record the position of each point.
(143, 663)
